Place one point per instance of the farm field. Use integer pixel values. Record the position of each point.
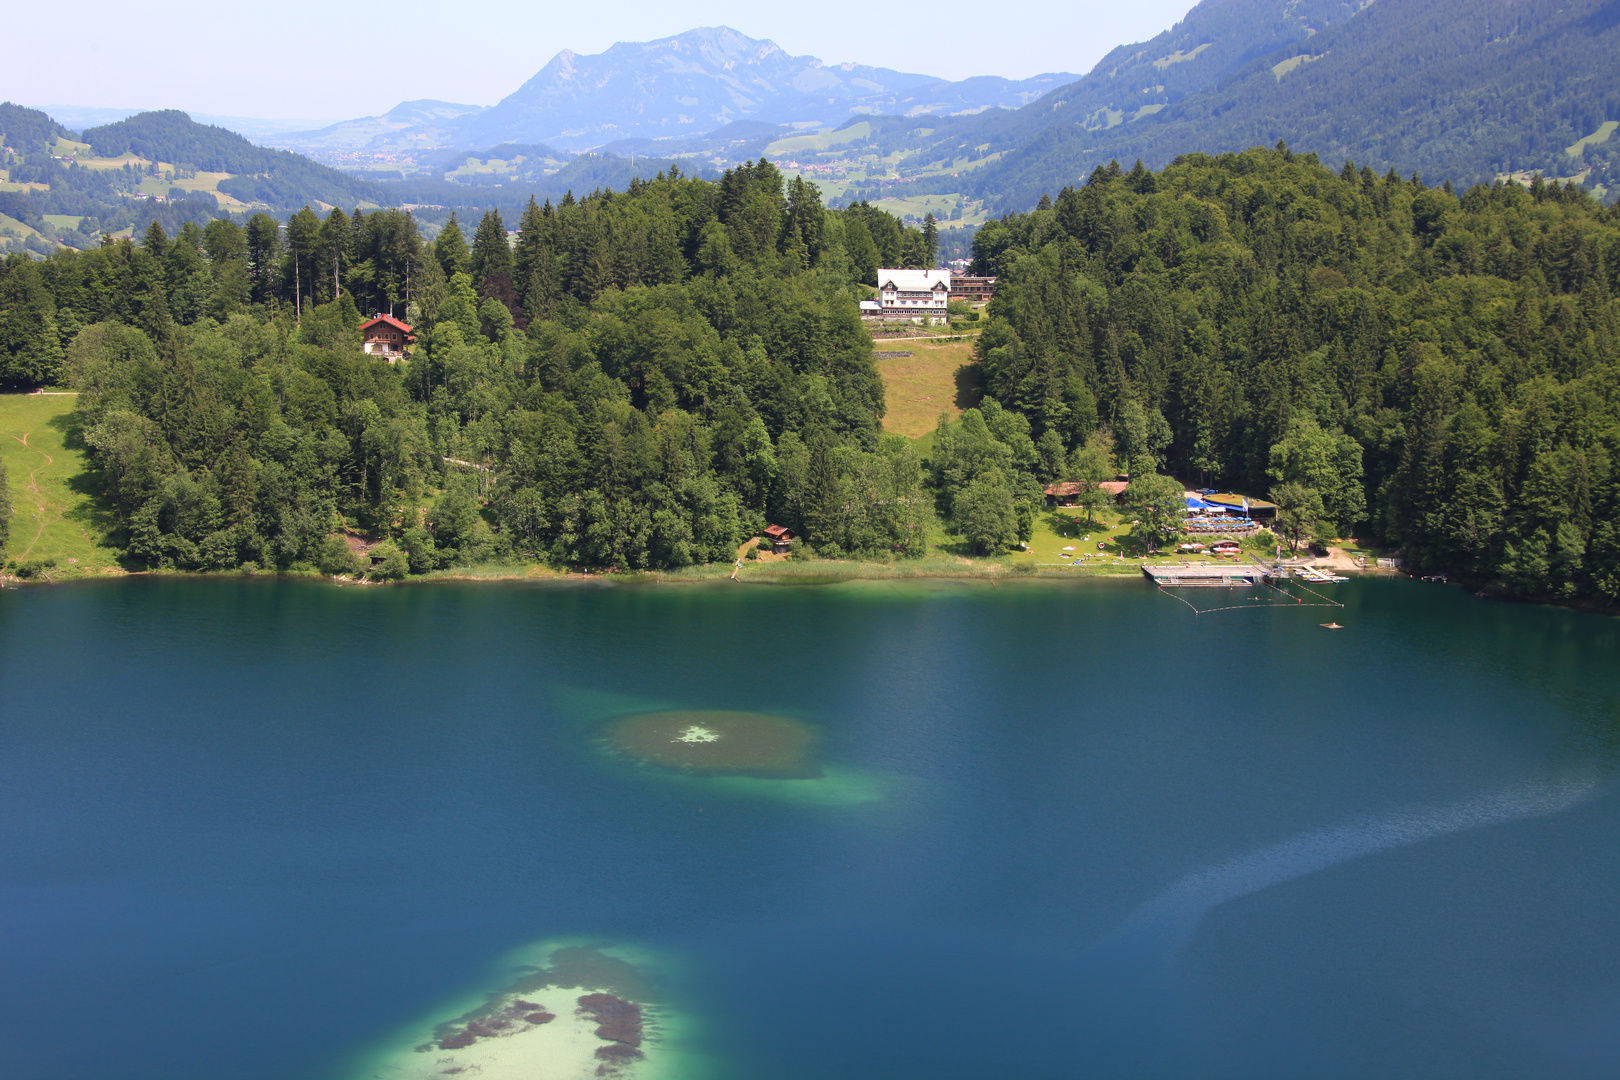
(941, 206)
(54, 514)
(10, 226)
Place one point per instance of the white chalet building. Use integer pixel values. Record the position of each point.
(915, 294)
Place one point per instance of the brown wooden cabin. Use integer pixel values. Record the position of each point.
(386, 336)
(780, 538)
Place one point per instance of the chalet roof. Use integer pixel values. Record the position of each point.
(777, 532)
(386, 319)
(1114, 487)
(914, 280)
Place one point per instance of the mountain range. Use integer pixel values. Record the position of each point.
(1464, 90)
(1458, 90)
(684, 85)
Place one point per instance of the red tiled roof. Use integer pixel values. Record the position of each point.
(776, 531)
(1114, 487)
(389, 319)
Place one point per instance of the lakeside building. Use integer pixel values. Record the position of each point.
(973, 289)
(918, 295)
(386, 336)
(780, 537)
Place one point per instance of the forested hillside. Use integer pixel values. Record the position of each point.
(1435, 369)
(275, 177)
(1459, 90)
(644, 379)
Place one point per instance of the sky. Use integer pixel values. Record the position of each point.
(326, 60)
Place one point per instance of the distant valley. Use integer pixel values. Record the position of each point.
(1460, 91)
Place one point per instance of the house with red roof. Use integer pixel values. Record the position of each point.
(387, 337)
(779, 537)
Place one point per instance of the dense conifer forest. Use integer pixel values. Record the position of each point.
(644, 379)
(1433, 368)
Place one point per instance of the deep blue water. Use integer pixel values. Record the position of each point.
(249, 828)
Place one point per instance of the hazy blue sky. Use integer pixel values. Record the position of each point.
(322, 59)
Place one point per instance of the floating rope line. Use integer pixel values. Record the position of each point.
(1298, 603)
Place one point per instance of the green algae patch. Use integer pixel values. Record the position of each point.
(717, 743)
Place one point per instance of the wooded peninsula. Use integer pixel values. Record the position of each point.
(644, 379)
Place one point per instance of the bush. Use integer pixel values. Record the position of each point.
(394, 566)
(335, 557)
(422, 554)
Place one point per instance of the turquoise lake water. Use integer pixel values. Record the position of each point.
(254, 829)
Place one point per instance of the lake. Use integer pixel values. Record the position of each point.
(280, 829)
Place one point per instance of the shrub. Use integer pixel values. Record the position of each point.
(335, 557)
(394, 565)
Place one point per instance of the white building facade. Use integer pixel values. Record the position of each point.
(916, 294)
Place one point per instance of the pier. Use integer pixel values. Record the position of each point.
(1237, 574)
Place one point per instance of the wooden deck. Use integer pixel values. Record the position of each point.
(1234, 574)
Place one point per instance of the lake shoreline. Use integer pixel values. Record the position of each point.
(795, 572)
(806, 571)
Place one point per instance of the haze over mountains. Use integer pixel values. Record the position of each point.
(1459, 90)
(688, 84)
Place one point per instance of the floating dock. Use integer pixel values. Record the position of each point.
(1236, 574)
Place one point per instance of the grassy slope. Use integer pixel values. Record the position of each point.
(54, 513)
(918, 388)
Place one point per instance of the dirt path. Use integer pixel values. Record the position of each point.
(742, 553)
(40, 502)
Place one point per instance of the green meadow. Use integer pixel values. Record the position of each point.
(56, 517)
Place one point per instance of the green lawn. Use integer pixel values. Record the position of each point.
(1057, 529)
(55, 514)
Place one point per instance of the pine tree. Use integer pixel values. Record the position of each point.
(450, 248)
(156, 241)
(303, 239)
(30, 351)
(532, 249)
(263, 256)
(333, 251)
(824, 504)
(930, 240)
(491, 257)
